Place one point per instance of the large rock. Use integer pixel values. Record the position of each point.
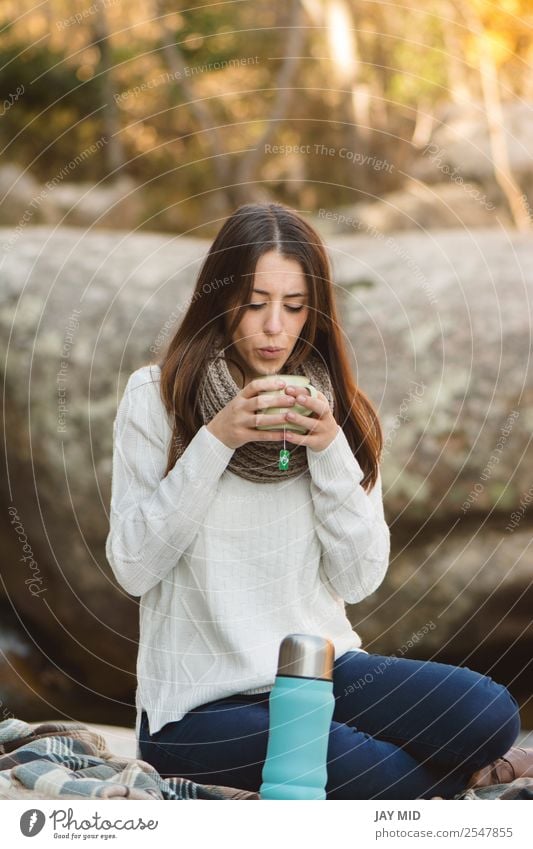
(439, 327)
(78, 314)
(441, 332)
(451, 182)
(460, 146)
(416, 206)
(18, 189)
(115, 204)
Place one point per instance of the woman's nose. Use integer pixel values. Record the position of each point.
(273, 322)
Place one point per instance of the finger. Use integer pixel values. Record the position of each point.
(298, 438)
(303, 390)
(277, 419)
(261, 384)
(315, 404)
(309, 422)
(261, 402)
(299, 390)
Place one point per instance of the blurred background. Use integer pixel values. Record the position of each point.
(404, 133)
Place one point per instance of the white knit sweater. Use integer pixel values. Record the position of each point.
(227, 567)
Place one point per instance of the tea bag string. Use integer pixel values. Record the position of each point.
(295, 447)
(284, 454)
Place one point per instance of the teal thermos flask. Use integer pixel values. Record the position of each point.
(301, 708)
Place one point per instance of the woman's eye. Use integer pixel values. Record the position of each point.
(259, 306)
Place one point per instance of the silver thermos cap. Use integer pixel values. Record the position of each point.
(306, 656)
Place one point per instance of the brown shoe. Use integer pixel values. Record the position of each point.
(516, 763)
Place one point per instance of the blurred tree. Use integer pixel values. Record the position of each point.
(53, 120)
(113, 151)
(239, 174)
(482, 44)
(190, 95)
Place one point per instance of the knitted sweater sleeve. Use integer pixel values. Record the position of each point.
(351, 526)
(153, 519)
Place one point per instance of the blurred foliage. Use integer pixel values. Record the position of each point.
(49, 121)
(88, 66)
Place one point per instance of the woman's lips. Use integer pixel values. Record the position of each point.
(269, 352)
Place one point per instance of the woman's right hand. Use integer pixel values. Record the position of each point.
(236, 423)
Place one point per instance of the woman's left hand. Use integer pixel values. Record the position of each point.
(322, 430)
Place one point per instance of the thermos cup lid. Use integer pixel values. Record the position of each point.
(306, 656)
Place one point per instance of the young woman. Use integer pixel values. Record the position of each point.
(230, 550)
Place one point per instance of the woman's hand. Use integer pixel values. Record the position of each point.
(322, 429)
(236, 423)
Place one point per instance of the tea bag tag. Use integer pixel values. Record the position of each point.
(284, 455)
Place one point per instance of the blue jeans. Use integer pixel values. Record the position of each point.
(401, 729)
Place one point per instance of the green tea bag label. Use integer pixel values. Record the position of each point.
(284, 459)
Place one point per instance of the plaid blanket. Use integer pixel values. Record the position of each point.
(60, 760)
(66, 760)
(520, 788)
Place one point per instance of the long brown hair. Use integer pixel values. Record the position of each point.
(248, 233)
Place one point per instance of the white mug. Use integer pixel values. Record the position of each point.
(290, 380)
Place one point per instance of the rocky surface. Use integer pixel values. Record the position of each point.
(438, 325)
(60, 201)
(416, 206)
(461, 139)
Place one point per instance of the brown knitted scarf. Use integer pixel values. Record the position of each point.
(256, 461)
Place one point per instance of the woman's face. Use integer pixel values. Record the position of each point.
(274, 318)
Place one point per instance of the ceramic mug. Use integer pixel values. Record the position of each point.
(290, 380)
